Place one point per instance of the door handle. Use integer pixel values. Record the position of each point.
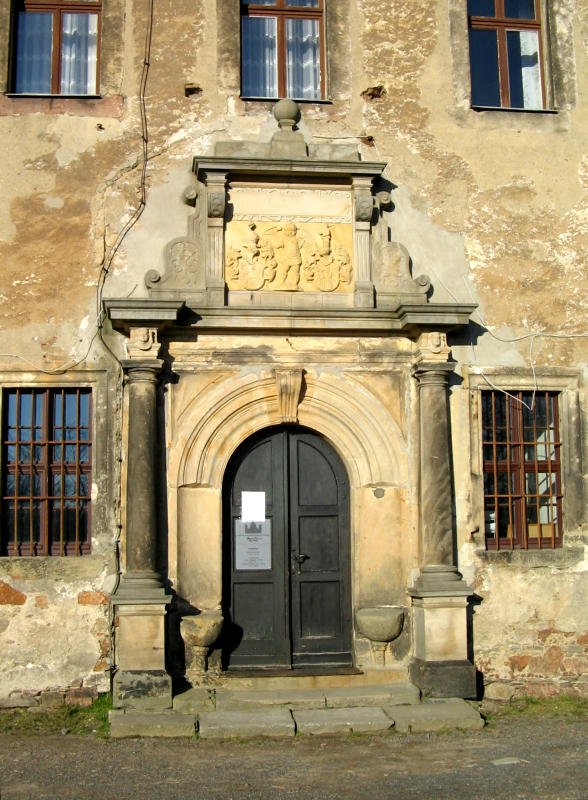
(300, 558)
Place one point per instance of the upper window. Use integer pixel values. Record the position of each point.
(56, 46)
(506, 54)
(522, 470)
(282, 49)
(46, 472)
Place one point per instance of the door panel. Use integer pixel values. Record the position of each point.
(295, 611)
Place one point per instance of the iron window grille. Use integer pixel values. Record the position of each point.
(282, 49)
(522, 470)
(506, 54)
(56, 47)
(46, 471)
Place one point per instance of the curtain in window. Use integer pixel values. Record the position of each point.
(33, 53)
(303, 80)
(523, 66)
(259, 57)
(79, 52)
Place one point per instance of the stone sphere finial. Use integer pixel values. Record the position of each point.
(286, 113)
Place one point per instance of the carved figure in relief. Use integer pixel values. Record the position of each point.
(289, 257)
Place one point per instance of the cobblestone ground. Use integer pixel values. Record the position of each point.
(514, 759)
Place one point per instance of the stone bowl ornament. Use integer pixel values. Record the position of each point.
(381, 625)
(286, 113)
(199, 632)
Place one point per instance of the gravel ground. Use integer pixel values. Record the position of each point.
(514, 759)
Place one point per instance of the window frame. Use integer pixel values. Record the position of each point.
(57, 8)
(46, 469)
(281, 12)
(517, 497)
(500, 23)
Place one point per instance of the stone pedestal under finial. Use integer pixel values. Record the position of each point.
(286, 142)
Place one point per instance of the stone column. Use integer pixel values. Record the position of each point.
(140, 600)
(440, 664)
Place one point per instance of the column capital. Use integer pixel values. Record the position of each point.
(144, 370)
(427, 374)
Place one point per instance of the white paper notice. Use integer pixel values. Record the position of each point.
(252, 506)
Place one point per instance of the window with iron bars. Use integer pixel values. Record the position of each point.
(46, 471)
(522, 470)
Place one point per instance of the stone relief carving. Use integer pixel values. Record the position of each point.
(289, 387)
(183, 257)
(142, 343)
(287, 256)
(432, 347)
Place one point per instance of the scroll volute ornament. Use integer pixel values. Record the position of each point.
(289, 387)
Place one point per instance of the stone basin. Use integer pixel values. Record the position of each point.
(203, 629)
(380, 623)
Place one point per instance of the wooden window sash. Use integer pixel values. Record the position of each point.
(282, 12)
(46, 468)
(516, 468)
(501, 24)
(58, 10)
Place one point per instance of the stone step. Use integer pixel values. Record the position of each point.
(391, 694)
(125, 724)
(227, 700)
(341, 720)
(246, 724)
(431, 716)
(290, 680)
(337, 697)
(251, 714)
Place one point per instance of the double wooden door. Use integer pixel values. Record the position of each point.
(287, 554)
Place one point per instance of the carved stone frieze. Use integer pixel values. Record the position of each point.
(287, 256)
(288, 386)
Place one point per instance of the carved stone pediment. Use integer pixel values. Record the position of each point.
(184, 273)
(279, 227)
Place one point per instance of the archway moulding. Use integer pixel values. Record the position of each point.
(215, 423)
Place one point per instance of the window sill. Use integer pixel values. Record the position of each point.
(509, 110)
(560, 557)
(273, 100)
(74, 105)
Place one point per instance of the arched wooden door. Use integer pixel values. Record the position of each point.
(287, 587)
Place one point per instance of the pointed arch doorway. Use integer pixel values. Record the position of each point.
(286, 553)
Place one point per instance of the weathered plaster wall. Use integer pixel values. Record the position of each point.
(491, 205)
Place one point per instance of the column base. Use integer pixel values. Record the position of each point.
(444, 678)
(441, 665)
(140, 588)
(143, 690)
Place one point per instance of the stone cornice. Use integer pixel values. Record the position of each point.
(240, 165)
(126, 312)
(408, 319)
